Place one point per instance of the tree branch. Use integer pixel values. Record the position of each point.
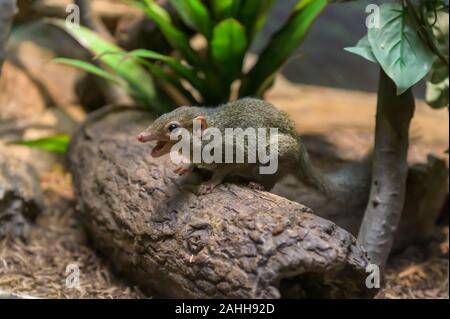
(387, 194)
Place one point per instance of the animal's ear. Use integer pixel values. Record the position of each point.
(203, 122)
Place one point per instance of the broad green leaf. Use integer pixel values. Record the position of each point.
(282, 44)
(398, 48)
(228, 46)
(363, 49)
(139, 81)
(56, 144)
(194, 14)
(177, 39)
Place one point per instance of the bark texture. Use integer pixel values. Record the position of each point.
(8, 9)
(232, 243)
(20, 196)
(390, 167)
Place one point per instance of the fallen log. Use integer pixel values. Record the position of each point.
(233, 243)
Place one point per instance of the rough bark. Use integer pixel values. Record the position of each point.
(8, 9)
(389, 173)
(232, 243)
(20, 197)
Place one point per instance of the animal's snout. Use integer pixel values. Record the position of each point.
(141, 137)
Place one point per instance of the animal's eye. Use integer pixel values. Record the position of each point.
(172, 127)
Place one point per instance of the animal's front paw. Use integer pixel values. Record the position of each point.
(182, 169)
(205, 188)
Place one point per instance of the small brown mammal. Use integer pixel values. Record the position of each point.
(245, 113)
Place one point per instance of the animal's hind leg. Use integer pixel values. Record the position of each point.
(218, 175)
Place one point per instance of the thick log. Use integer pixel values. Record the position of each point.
(233, 243)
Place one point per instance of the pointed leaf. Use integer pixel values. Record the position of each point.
(177, 39)
(398, 47)
(181, 70)
(253, 14)
(139, 81)
(90, 68)
(363, 49)
(194, 14)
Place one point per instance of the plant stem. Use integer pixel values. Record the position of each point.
(8, 8)
(387, 194)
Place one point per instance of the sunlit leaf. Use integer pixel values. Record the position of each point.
(194, 14)
(182, 71)
(56, 144)
(91, 68)
(228, 46)
(139, 81)
(175, 37)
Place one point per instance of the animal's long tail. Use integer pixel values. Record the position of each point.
(350, 184)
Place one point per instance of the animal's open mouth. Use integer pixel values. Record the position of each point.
(161, 148)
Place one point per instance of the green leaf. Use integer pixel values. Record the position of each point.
(141, 55)
(282, 44)
(225, 8)
(363, 49)
(56, 144)
(228, 46)
(181, 70)
(139, 81)
(91, 68)
(177, 39)
(398, 48)
(253, 14)
(194, 14)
